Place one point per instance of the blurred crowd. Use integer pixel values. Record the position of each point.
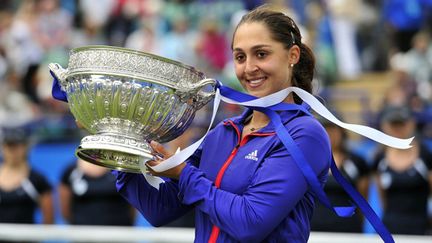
(349, 38)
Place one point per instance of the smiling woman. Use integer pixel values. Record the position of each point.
(243, 184)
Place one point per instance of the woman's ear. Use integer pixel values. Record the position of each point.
(294, 54)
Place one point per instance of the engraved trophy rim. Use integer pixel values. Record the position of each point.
(137, 52)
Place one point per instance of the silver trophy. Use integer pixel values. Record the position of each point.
(125, 98)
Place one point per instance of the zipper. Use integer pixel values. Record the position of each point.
(225, 166)
(215, 230)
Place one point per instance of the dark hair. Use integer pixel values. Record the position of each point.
(14, 135)
(396, 114)
(284, 30)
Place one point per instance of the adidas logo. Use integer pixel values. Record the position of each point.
(252, 155)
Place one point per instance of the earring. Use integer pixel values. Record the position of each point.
(292, 65)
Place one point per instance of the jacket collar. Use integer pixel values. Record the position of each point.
(286, 116)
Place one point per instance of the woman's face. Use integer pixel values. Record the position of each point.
(15, 153)
(262, 65)
(400, 129)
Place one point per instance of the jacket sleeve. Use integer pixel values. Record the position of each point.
(159, 207)
(275, 190)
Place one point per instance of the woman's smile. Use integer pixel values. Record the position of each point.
(256, 82)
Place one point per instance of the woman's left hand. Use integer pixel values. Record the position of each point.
(158, 149)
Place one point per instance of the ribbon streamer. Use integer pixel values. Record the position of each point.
(320, 109)
(273, 101)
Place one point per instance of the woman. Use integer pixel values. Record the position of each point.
(404, 177)
(242, 183)
(22, 189)
(356, 170)
(88, 197)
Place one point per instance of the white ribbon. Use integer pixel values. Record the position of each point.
(319, 108)
(267, 101)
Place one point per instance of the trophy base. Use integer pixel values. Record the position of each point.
(114, 151)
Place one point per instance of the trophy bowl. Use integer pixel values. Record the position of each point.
(125, 98)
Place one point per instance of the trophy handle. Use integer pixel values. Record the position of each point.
(204, 96)
(203, 83)
(59, 72)
(196, 94)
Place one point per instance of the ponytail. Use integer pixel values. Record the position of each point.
(303, 71)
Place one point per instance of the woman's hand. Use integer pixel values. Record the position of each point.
(160, 153)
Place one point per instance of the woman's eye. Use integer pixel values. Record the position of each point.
(261, 54)
(239, 58)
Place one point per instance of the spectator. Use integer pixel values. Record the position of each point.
(88, 197)
(22, 189)
(178, 43)
(15, 107)
(323, 43)
(419, 64)
(356, 170)
(122, 22)
(212, 47)
(344, 17)
(20, 41)
(53, 25)
(145, 38)
(404, 177)
(403, 19)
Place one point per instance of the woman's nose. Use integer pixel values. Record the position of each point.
(251, 66)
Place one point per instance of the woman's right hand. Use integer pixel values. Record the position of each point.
(159, 150)
(160, 154)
